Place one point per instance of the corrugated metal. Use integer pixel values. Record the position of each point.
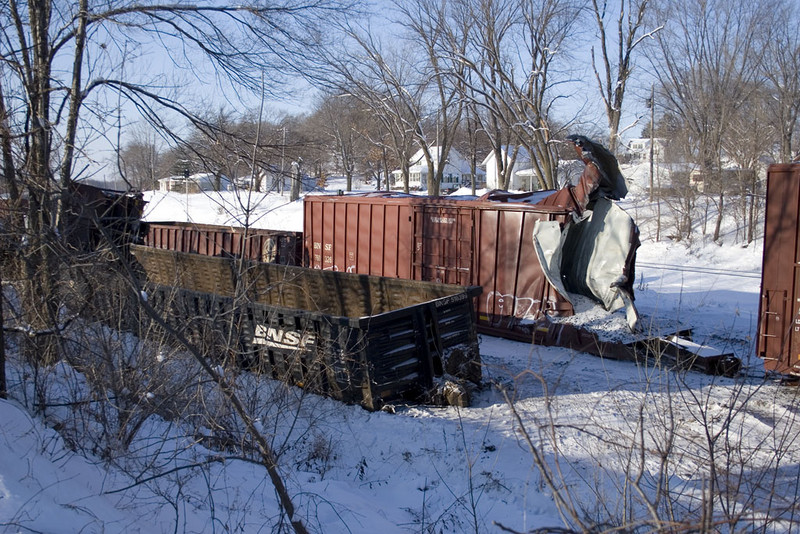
(455, 241)
(779, 310)
(271, 246)
(366, 234)
(357, 338)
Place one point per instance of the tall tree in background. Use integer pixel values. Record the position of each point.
(513, 51)
(341, 119)
(387, 82)
(744, 142)
(616, 61)
(488, 25)
(140, 160)
(427, 23)
(706, 69)
(548, 28)
(780, 65)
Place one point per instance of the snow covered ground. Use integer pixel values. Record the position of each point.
(620, 442)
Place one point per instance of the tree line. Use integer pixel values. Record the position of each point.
(488, 76)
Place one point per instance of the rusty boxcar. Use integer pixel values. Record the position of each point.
(272, 246)
(527, 251)
(778, 340)
(452, 241)
(357, 338)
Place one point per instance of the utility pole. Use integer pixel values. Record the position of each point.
(186, 190)
(283, 152)
(297, 179)
(652, 135)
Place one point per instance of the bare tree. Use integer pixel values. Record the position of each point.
(386, 82)
(706, 69)
(379, 160)
(139, 160)
(744, 143)
(780, 64)
(512, 55)
(341, 118)
(617, 56)
(487, 26)
(427, 22)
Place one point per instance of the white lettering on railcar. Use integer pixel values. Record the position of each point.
(282, 339)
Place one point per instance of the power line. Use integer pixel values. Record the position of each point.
(702, 270)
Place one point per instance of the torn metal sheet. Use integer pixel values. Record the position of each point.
(594, 254)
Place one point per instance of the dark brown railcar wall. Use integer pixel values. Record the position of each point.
(455, 241)
(271, 246)
(779, 310)
(314, 290)
(367, 234)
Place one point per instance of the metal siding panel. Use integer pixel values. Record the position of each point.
(361, 243)
(778, 330)
(507, 250)
(338, 242)
(326, 242)
(487, 250)
(376, 238)
(531, 283)
(392, 238)
(314, 240)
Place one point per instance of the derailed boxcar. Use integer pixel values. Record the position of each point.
(93, 214)
(528, 252)
(357, 338)
(272, 246)
(454, 241)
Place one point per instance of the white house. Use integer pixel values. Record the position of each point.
(203, 181)
(640, 149)
(273, 180)
(455, 174)
(523, 176)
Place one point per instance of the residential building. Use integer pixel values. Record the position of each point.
(522, 176)
(456, 172)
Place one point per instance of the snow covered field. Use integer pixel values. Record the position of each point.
(621, 443)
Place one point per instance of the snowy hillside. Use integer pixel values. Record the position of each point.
(620, 443)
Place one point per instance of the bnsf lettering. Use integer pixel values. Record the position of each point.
(282, 339)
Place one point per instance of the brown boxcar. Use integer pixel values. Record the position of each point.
(779, 309)
(256, 244)
(454, 241)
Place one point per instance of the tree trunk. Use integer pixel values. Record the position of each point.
(39, 298)
(3, 388)
(297, 180)
(718, 223)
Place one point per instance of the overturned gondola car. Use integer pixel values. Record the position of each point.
(357, 338)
